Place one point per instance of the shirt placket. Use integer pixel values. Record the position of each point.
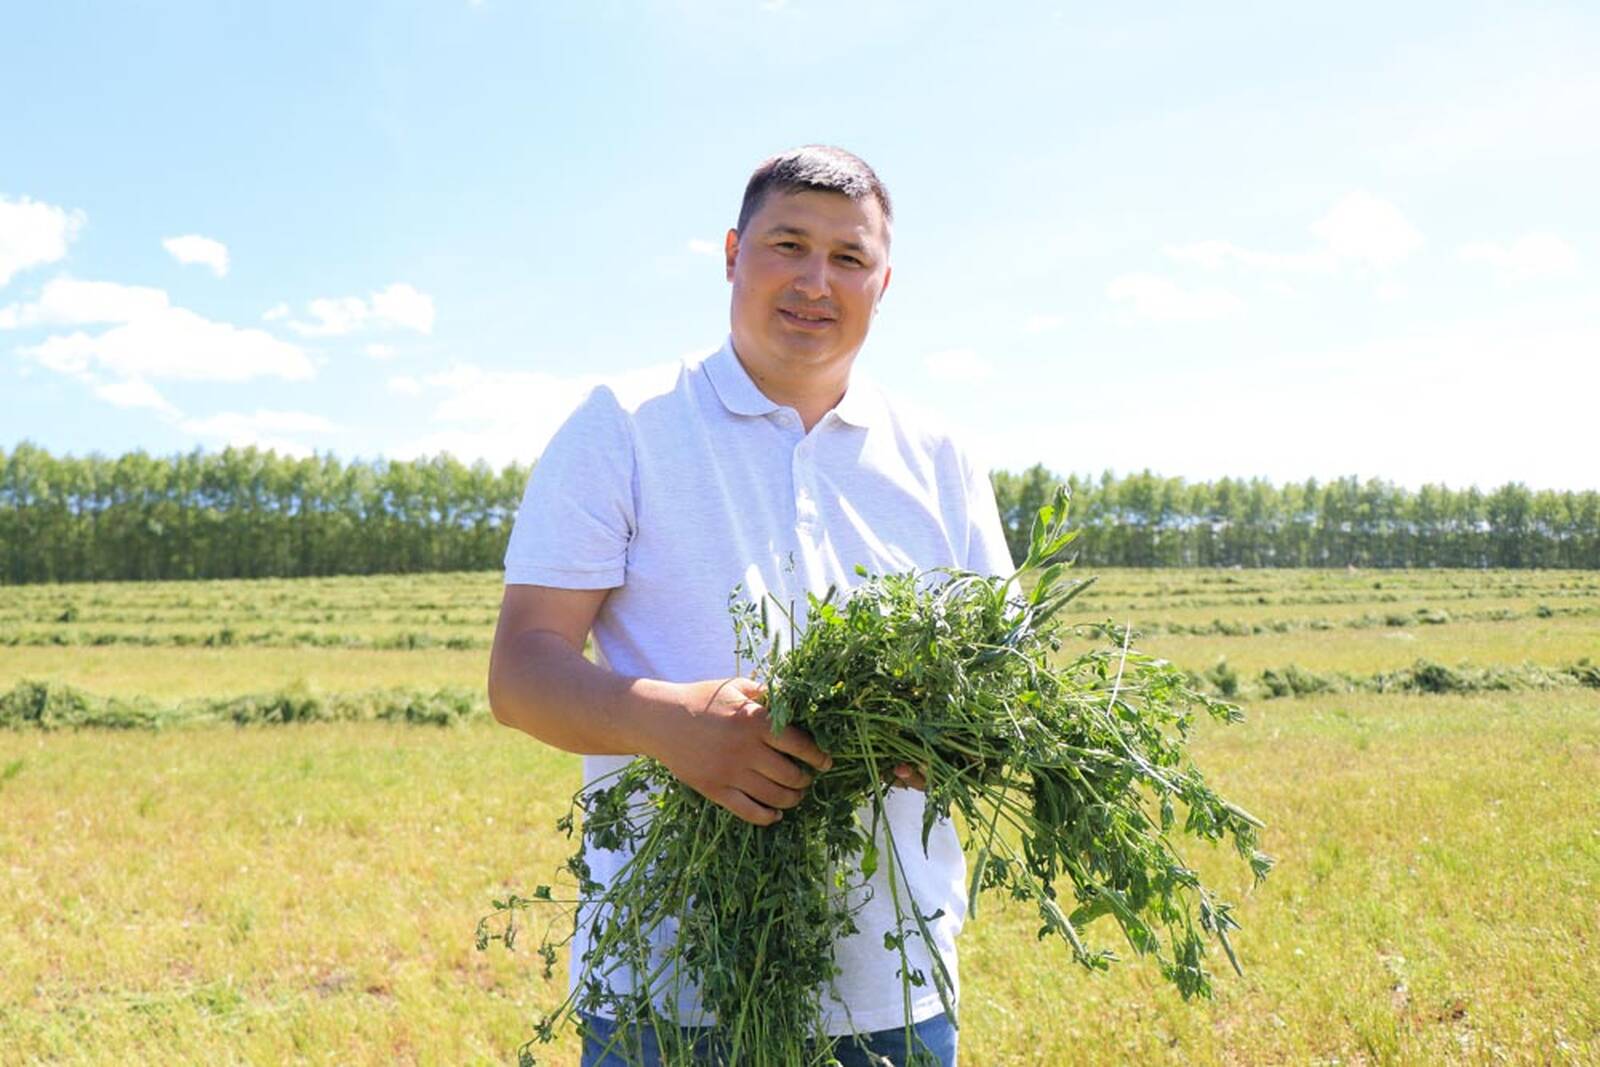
(810, 571)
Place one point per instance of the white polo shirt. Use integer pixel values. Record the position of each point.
(672, 492)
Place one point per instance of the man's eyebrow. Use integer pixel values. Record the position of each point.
(797, 231)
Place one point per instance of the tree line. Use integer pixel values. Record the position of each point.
(1144, 520)
(245, 513)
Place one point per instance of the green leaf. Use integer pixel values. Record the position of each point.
(869, 860)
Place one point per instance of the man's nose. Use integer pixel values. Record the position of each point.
(812, 280)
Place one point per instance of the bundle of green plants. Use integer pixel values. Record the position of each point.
(1068, 781)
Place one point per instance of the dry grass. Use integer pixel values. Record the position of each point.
(265, 895)
(1547, 642)
(1435, 901)
(307, 894)
(168, 674)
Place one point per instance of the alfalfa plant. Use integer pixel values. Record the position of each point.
(1070, 778)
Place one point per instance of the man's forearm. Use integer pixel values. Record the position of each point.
(543, 686)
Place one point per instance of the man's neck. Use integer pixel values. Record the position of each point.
(811, 397)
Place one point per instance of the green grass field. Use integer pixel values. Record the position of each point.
(308, 893)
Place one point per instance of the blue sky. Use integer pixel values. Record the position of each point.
(1353, 239)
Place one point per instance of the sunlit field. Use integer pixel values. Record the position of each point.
(216, 893)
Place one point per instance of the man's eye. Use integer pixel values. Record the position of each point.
(851, 261)
(787, 246)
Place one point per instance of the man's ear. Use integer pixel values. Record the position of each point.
(730, 249)
(888, 272)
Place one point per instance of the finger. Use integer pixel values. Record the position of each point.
(777, 767)
(797, 743)
(909, 776)
(728, 692)
(765, 791)
(747, 809)
(749, 688)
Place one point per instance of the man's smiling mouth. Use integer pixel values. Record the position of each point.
(806, 318)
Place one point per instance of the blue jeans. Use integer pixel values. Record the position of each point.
(935, 1037)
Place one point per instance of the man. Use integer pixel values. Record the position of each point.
(774, 465)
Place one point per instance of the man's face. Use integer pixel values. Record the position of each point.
(807, 276)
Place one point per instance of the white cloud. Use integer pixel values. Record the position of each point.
(507, 416)
(193, 248)
(263, 429)
(134, 394)
(1161, 299)
(32, 233)
(397, 305)
(961, 365)
(379, 351)
(149, 339)
(1531, 119)
(1364, 229)
(335, 316)
(1359, 229)
(1491, 416)
(404, 305)
(701, 247)
(1214, 255)
(404, 383)
(1043, 323)
(73, 304)
(70, 302)
(275, 312)
(1533, 255)
(177, 344)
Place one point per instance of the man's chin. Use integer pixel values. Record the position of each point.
(812, 355)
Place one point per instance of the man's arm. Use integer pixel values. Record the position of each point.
(714, 735)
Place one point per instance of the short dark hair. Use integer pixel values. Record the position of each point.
(819, 167)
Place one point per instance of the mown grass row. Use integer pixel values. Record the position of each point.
(1420, 678)
(401, 597)
(136, 605)
(1147, 583)
(228, 637)
(1162, 601)
(237, 613)
(54, 706)
(232, 637)
(1392, 620)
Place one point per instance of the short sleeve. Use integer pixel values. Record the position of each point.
(987, 550)
(576, 519)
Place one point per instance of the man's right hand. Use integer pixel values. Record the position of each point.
(723, 747)
(714, 735)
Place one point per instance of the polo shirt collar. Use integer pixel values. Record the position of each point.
(862, 404)
(733, 385)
